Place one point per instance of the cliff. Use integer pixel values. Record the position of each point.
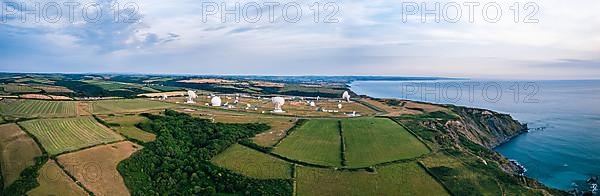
(462, 141)
(485, 127)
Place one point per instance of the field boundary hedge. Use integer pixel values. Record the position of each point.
(290, 160)
(28, 178)
(344, 167)
(371, 106)
(343, 144)
(298, 123)
(110, 125)
(411, 132)
(72, 177)
(434, 177)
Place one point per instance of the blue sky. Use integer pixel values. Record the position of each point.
(369, 39)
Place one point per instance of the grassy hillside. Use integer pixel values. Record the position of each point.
(126, 125)
(316, 141)
(397, 179)
(252, 163)
(127, 105)
(376, 140)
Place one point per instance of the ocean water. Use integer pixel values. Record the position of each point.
(563, 148)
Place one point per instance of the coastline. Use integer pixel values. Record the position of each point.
(512, 166)
(559, 148)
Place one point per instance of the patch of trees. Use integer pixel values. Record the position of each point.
(206, 87)
(178, 161)
(394, 102)
(27, 180)
(310, 94)
(83, 89)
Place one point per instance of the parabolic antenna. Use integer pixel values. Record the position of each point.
(278, 102)
(215, 101)
(346, 96)
(191, 96)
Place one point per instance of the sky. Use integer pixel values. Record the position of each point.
(551, 39)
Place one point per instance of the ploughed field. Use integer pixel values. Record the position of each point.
(68, 134)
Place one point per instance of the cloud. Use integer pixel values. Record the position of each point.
(171, 36)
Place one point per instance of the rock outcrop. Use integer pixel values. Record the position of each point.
(485, 127)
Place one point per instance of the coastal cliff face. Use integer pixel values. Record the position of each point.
(485, 127)
(462, 141)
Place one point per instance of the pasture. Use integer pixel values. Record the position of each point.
(116, 86)
(37, 108)
(252, 163)
(17, 152)
(54, 181)
(465, 175)
(67, 134)
(376, 140)
(19, 88)
(316, 141)
(96, 168)
(53, 89)
(125, 124)
(279, 126)
(397, 179)
(126, 106)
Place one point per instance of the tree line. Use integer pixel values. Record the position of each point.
(178, 161)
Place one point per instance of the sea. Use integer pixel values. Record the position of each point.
(562, 147)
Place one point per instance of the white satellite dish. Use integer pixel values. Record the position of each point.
(215, 101)
(312, 104)
(340, 106)
(278, 102)
(191, 96)
(346, 96)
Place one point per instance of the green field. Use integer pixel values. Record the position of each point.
(376, 140)
(167, 88)
(114, 86)
(67, 134)
(316, 141)
(18, 88)
(127, 105)
(252, 163)
(465, 175)
(397, 179)
(323, 90)
(125, 124)
(37, 108)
